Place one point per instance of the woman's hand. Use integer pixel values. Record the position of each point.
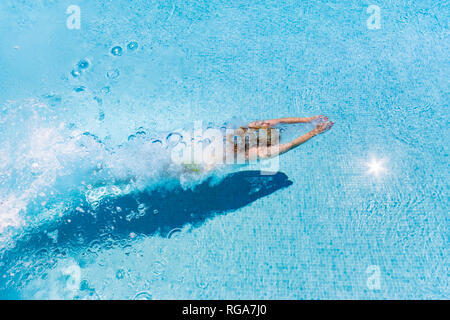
(323, 126)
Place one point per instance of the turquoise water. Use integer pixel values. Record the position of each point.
(358, 212)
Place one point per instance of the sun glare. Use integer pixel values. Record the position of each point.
(376, 167)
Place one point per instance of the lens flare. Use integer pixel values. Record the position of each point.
(376, 167)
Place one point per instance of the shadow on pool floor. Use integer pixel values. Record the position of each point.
(175, 208)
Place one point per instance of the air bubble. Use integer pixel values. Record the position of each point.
(144, 295)
(141, 132)
(75, 73)
(113, 74)
(174, 233)
(83, 64)
(84, 285)
(157, 142)
(159, 268)
(53, 99)
(99, 100)
(173, 139)
(106, 90)
(79, 89)
(120, 274)
(133, 45)
(117, 51)
(141, 209)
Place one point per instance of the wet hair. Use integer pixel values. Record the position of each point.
(271, 137)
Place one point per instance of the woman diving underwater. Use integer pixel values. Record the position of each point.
(197, 152)
(255, 141)
(272, 147)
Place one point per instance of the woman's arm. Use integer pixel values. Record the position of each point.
(273, 122)
(264, 152)
(273, 151)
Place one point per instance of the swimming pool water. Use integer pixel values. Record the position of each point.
(358, 212)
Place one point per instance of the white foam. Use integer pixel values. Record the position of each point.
(10, 208)
(45, 165)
